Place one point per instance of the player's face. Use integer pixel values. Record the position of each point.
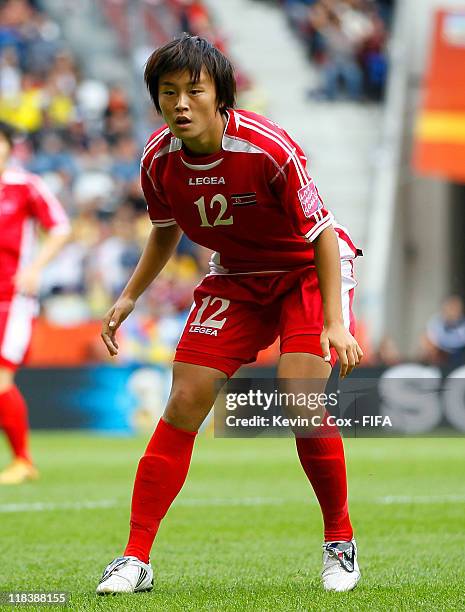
(190, 110)
(5, 151)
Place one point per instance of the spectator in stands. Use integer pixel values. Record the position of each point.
(386, 8)
(117, 256)
(373, 58)
(118, 121)
(10, 73)
(53, 156)
(96, 156)
(126, 164)
(24, 109)
(297, 13)
(340, 53)
(387, 354)
(347, 39)
(43, 41)
(444, 340)
(14, 15)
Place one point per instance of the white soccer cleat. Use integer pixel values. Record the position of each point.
(126, 575)
(340, 567)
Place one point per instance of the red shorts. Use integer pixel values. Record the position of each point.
(16, 320)
(234, 317)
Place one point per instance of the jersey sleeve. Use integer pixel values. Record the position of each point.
(46, 208)
(160, 212)
(299, 195)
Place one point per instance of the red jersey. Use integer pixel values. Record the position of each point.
(253, 202)
(24, 200)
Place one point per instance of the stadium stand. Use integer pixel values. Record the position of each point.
(347, 40)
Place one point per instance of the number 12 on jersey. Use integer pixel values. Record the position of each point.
(220, 220)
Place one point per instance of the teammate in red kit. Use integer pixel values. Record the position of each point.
(24, 201)
(236, 183)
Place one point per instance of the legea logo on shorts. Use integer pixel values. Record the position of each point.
(309, 199)
(199, 329)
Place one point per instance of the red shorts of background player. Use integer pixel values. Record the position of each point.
(234, 317)
(16, 321)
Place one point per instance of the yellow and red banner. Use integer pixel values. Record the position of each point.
(440, 126)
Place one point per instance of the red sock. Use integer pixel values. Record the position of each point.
(322, 458)
(14, 421)
(160, 476)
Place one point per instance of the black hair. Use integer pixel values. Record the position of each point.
(192, 53)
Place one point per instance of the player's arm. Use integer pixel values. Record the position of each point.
(299, 195)
(335, 334)
(160, 245)
(27, 280)
(47, 211)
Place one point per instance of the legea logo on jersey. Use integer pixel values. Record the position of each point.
(309, 199)
(206, 180)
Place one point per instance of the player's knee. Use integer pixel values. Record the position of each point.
(188, 405)
(190, 395)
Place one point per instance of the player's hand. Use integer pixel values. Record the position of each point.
(347, 348)
(27, 281)
(112, 320)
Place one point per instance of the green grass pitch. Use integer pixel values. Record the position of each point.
(245, 533)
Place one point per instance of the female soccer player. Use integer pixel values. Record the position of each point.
(236, 183)
(24, 201)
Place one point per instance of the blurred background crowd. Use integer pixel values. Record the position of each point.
(84, 138)
(79, 134)
(347, 39)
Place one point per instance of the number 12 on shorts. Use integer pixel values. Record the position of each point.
(211, 321)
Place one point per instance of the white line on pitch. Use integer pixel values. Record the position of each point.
(218, 501)
(111, 503)
(47, 506)
(421, 499)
